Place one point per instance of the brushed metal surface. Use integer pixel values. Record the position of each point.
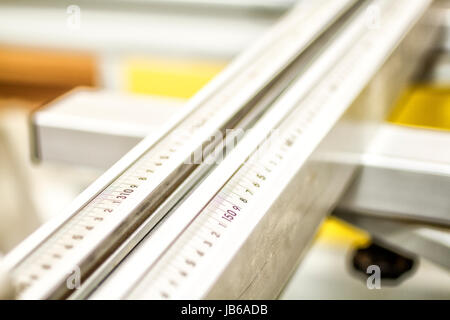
(276, 245)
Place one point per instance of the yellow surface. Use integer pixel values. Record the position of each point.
(335, 232)
(423, 106)
(173, 78)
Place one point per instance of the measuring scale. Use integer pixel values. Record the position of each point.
(107, 221)
(186, 266)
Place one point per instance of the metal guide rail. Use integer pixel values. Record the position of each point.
(186, 255)
(275, 88)
(116, 205)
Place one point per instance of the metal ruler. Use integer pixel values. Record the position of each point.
(195, 221)
(129, 195)
(191, 252)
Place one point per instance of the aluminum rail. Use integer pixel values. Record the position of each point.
(117, 204)
(240, 233)
(405, 176)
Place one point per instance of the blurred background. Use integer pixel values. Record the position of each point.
(152, 56)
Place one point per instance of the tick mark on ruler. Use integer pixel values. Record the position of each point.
(173, 283)
(183, 273)
(200, 253)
